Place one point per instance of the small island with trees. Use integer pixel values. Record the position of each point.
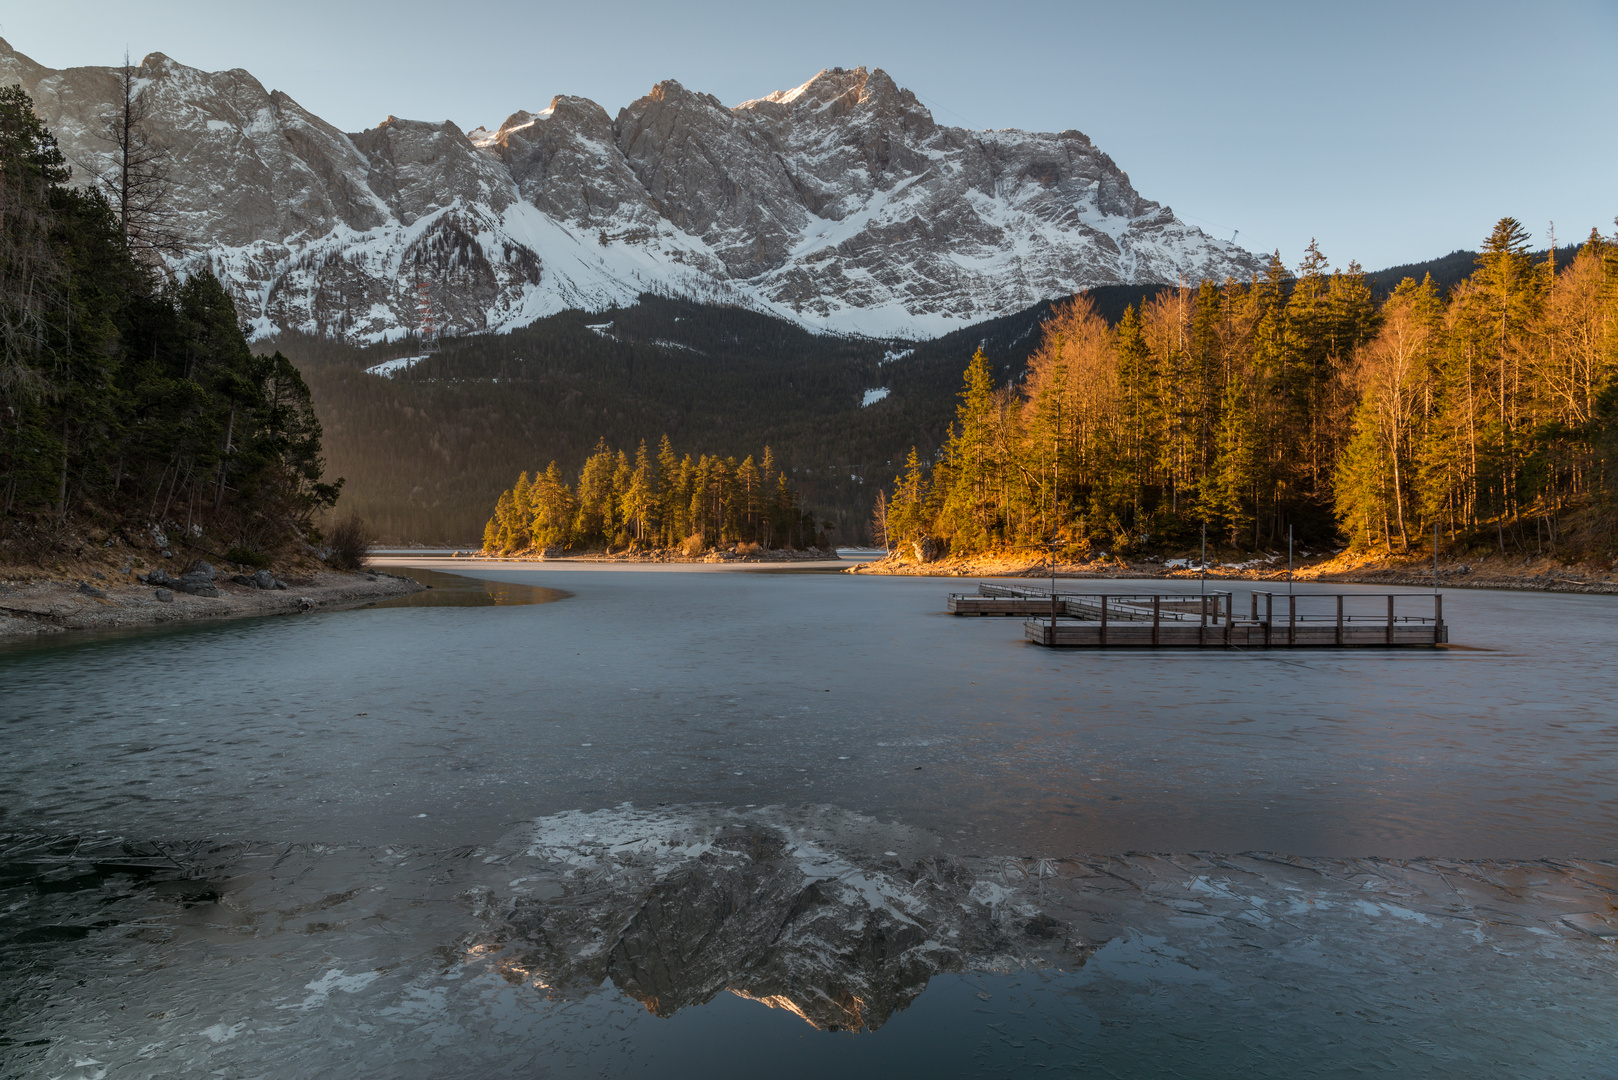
(662, 507)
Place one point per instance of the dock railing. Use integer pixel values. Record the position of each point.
(1270, 619)
(1212, 608)
(1350, 614)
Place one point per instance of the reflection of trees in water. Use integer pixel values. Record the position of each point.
(456, 590)
(749, 907)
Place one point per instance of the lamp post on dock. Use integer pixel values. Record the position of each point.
(1202, 584)
(1053, 588)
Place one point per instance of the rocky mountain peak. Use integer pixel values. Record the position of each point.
(836, 93)
(841, 204)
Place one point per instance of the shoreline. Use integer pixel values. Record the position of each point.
(37, 609)
(1539, 574)
(661, 555)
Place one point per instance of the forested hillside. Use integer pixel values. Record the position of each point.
(127, 403)
(1489, 413)
(1450, 270)
(427, 452)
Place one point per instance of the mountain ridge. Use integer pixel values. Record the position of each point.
(839, 205)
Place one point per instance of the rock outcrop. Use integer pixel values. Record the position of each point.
(840, 204)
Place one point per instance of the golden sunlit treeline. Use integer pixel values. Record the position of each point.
(1296, 400)
(648, 502)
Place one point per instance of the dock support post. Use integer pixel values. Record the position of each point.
(1254, 598)
(1269, 617)
(1438, 619)
(1339, 618)
(1157, 609)
(1103, 618)
(1390, 618)
(1292, 620)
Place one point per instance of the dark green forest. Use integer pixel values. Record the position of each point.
(127, 401)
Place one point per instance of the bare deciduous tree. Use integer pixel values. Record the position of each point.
(879, 521)
(137, 181)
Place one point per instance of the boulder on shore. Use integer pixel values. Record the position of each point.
(198, 581)
(929, 549)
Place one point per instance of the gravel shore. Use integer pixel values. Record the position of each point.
(31, 608)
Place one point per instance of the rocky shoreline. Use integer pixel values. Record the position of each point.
(1539, 574)
(40, 607)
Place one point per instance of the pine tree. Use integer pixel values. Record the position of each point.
(670, 493)
(1511, 289)
(1135, 440)
(639, 499)
(971, 462)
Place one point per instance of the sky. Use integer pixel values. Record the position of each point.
(1389, 132)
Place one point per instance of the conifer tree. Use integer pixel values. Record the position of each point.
(669, 496)
(120, 400)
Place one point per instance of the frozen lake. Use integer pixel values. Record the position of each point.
(660, 819)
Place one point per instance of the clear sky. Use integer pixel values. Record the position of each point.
(1392, 132)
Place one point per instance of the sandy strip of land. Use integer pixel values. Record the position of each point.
(1476, 572)
(31, 608)
(488, 567)
(663, 555)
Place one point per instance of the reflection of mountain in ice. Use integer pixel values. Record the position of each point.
(505, 960)
(674, 908)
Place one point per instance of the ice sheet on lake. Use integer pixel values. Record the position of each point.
(559, 943)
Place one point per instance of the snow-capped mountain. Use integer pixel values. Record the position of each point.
(840, 205)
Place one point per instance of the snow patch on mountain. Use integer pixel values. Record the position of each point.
(389, 368)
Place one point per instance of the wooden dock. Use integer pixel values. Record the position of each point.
(1024, 600)
(1210, 620)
